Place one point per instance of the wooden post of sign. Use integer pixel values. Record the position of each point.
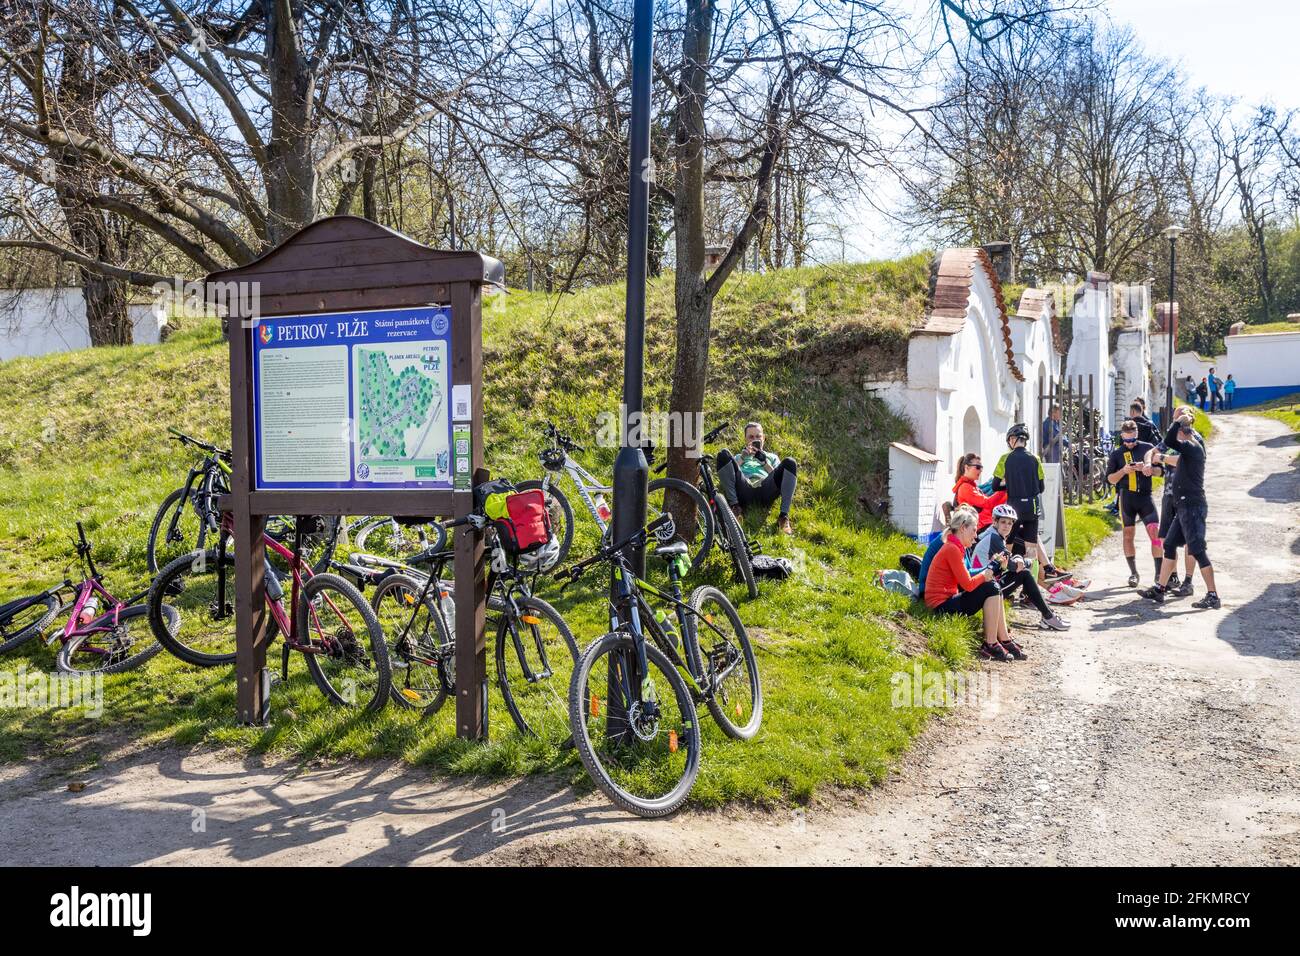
(471, 583)
(351, 266)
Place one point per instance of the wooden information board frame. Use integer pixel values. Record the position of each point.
(350, 264)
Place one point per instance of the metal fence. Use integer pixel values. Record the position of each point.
(1076, 441)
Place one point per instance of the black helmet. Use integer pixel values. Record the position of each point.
(1018, 430)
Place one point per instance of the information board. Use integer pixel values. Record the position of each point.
(353, 400)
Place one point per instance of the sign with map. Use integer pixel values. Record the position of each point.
(353, 400)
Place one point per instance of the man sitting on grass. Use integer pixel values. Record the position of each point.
(757, 477)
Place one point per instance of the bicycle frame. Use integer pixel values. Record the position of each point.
(587, 485)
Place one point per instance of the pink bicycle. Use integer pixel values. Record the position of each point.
(327, 621)
(102, 634)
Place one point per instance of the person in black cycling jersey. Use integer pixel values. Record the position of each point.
(1124, 470)
(1187, 454)
(1174, 587)
(1020, 474)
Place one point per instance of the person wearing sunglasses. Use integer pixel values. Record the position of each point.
(966, 490)
(1124, 470)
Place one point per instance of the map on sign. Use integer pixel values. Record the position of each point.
(401, 410)
(353, 400)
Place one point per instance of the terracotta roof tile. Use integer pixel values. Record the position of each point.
(950, 282)
(1033, 302)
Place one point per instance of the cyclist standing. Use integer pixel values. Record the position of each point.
(1188, 455)
(1020, 473)
(1124, 470)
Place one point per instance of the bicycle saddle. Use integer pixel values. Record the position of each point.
(671, 550)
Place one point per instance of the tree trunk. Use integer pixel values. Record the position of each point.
(693, 299)
(291, 173)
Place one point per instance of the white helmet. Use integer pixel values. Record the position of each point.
(1005, 511)
(543, 558)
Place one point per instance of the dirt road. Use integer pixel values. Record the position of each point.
(1142, 736)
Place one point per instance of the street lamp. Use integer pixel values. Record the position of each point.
(1171, 233)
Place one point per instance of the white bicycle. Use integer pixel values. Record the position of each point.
(558, 461)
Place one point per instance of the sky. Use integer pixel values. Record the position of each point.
(1244, 49)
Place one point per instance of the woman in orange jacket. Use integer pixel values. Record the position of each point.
(966, 491)
(951, 589)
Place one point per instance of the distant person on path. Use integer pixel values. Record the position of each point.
(1216, 392)
(1202, 393)
(1147, 431)
(1054, 440)
(1020, 474)
(966, 490)
(1190, 387)
(951, 589)
(1187, 454)
(1124, 470)
(757, 477)
(1229, 387)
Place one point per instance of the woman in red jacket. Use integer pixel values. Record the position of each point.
(951, 589)
(966, 491)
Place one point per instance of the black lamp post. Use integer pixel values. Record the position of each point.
(630, 468)
(1171, 233)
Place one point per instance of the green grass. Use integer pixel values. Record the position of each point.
(1285, 409)
(1282, 326)
(1085, 527)
(85, 438)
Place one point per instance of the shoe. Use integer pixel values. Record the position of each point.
(1173, 582)
(1014, 649)
(1063, 594)
(1133, 580)
(1052, 574)
(1208, 603)
(994, 652)
(783, 525)
(1054, 623)
(1079, 583)
(1186, 589)
(1154, 593)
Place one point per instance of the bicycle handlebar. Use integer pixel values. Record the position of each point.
(635, 539)
(185, 439)
(561, 439)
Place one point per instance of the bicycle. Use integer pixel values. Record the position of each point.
(328, 621)
(558, 460)
(97, 638)
(535, 649)
(633, 702)
(187, 530)
(733, 541)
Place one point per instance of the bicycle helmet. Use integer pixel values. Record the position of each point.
(543, 559)
(1018, 430)
(1005, 511)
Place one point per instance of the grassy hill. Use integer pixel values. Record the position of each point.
(85, 438)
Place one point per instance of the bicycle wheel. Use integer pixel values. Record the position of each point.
(698, 539)
(206, 602)
(349, 660)
(736, 545)
(386, 538)
(536, 654)
(645, 761)
(561, 519)
(21, 622)
(421, 680)
(168, 538)
(719, 651)
(115, 651)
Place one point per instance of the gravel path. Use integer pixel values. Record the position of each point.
(1142, 736)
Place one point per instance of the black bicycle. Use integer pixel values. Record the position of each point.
(632, 702)
(732, 541)
(535, 650)
(178, 530)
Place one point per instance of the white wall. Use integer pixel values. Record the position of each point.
(1089, 353)
(1265, 365)
(40, 321)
